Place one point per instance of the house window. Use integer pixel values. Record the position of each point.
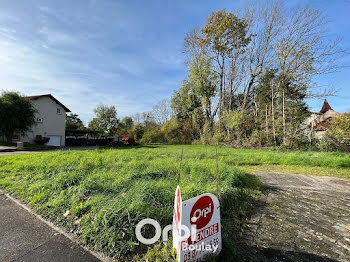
(39, 120)
(59, 111)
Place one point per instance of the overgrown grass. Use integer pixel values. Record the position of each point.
(101, 195)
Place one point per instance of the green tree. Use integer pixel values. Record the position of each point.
(127, 122)
(223, 33)
(172, 131)
(138, 132)
(338, 133)
(184, 101)
(125, 126)
(17, 114)
(106, 120)
(153, 136)
(204, 81)
(73, 122)
(266, 95)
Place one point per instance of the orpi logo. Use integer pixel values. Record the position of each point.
(202, 212)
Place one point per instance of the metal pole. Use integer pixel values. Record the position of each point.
(217, 175)
(179, 176)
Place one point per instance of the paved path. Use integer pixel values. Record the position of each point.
(8, 152)
(18, 153)
(7, 148)
(300, 218)
(23, 237)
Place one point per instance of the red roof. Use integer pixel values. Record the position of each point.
(325, 107)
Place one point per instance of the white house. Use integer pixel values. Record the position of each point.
(50, 120)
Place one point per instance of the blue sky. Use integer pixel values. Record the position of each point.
(122, 53)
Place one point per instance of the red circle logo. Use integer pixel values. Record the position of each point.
(202, 212)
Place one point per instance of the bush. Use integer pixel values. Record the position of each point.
(172, 131)
(40, 140)
(258, 138)
(138, 131)
(338, 133)
(152, 136)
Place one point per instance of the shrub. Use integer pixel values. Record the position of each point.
(338, 133)
(41, 140)
(172, 131)
(138, 131)
(153, 136)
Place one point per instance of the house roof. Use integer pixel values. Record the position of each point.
(325, 107)
(52, 97)
(322, 126)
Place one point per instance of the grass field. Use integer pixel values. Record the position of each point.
(101, 195)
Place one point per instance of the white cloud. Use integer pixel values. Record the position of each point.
(30, 72)
(54, 37)
(86, 54)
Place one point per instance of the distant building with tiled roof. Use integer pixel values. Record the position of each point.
(322, 120)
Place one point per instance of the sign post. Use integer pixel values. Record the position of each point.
(177, 219)
(201, 215)
(199, 219)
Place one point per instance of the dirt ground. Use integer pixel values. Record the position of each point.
(300, 218)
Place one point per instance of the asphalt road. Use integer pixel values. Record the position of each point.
(23, 237)
(7, 151)
(300, 218)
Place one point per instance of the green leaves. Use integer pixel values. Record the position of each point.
(106, 120)
(339, 132)
(73, 122)
(224, 32)
(17, 114)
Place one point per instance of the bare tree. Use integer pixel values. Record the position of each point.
(192, 47)
(162, 112)
(265, 25)
(304, 51)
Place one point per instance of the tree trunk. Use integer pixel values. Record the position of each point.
(283, 117)
(246, 93)
(221, 88)
(231, 93)
(221, 91)
(266, 124)
(273, 115)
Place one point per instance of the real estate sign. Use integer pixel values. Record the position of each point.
(201, 215)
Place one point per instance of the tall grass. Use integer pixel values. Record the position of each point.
(101, 195)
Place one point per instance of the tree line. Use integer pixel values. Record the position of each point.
(249, 75)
